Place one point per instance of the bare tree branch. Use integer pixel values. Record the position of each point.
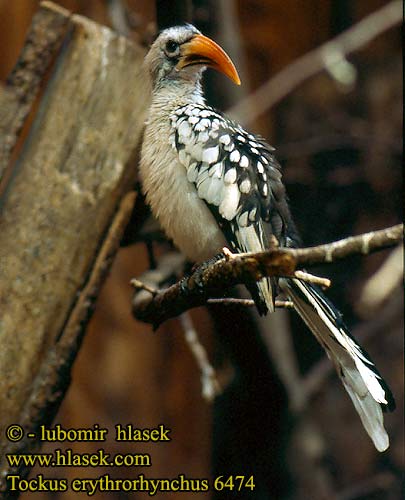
(212, 280)
(380, 286)
(328, 56)
(282, 304)
(209, 382)
(118, 17)
(311, 278)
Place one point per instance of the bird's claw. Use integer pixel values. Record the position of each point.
(195, 281)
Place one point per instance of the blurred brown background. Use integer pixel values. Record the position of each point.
(341, 153)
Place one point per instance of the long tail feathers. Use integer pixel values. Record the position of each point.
(365, 386)
(266, 294)
(252, 239)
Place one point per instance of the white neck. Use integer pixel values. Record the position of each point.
(174, 94)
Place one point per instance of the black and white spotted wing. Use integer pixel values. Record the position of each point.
(236, 174)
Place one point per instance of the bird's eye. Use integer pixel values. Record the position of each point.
(172, 48)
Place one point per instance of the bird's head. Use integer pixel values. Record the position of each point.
(182, 52)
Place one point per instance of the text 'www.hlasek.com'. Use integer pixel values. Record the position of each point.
(19, 462)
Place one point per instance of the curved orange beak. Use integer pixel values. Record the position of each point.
(202, 50)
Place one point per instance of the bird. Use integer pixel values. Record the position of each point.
(213, 185)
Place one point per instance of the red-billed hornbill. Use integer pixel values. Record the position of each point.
(212, 184)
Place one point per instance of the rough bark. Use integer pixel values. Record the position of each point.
(74, 168)
(155, 306)
(48, 29)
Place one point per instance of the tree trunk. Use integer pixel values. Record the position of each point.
(60, 193)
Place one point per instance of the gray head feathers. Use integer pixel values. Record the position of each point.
(165, 53)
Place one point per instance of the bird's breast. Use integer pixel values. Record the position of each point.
(174, 201)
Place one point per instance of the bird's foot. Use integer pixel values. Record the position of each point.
(195, 282)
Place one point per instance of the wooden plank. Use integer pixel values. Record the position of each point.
(48, 29)
(75, 166)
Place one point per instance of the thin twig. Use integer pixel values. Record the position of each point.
(209, 382)
(362, 244)
(311, 278)
(282, 304)
(278, 87)
(139, 285)
(231, 301)
(241, 269)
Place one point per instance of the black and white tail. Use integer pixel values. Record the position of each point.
(366, 388)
